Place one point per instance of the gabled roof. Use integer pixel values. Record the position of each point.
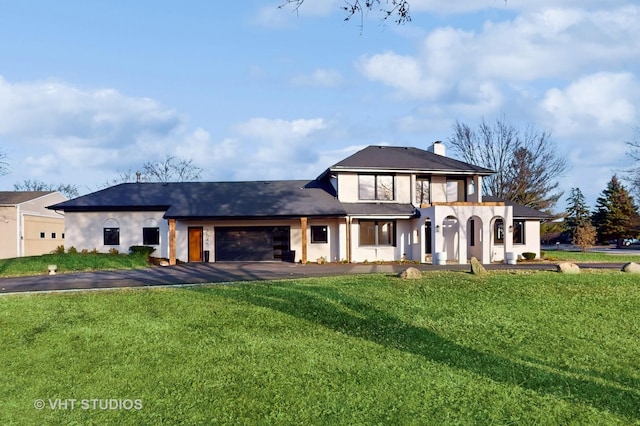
(213, 199)
(405, 158)
(12, 198)
(520, 211)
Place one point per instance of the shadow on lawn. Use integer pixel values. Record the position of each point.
(332, 309)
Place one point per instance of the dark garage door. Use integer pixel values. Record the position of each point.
(255, 243)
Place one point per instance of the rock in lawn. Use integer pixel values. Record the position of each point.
(631, 267)
(476, 267)
(410, 274)
(568, 268)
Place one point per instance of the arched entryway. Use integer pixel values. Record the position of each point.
(474, 238)
(451, 237)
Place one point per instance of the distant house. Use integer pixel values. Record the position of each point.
(27, 227)
(380, 204)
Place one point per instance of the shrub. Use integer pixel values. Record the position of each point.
(58, 250)
(72, 250)
(113, 251)
(529, 255)
(144, 251)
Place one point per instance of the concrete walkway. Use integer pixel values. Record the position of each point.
(222, 272)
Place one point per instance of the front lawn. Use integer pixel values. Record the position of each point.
(591, 257)
(69, 262)
(450, 348)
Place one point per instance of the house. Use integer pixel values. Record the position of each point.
(382, 203)
(27, 227)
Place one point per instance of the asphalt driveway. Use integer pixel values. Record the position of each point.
(222, 272)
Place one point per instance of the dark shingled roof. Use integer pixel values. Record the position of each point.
(213, 199)
(406, 158)
(520, 211)
(10, 198)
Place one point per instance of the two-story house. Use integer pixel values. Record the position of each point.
(380, 204)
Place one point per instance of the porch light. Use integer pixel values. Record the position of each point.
(510, 228)
(437, 228)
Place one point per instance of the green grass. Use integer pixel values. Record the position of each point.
(578, 256)
(451, 348)
(69, 262)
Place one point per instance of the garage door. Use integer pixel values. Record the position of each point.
(255, 243)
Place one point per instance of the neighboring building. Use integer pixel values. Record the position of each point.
(380, 204)
(27, 227)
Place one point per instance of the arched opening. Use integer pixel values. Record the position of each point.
(451, 237)
(474, 238)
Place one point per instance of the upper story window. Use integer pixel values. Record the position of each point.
(456, 190)
(375, 187)
(422, 191)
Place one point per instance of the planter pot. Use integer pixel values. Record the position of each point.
(440, 258)
(512, 258)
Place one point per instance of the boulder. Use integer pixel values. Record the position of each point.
(568, 268)
(476, 267)
(410, 274)
(631, 267)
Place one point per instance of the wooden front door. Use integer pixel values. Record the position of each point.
(195, 244)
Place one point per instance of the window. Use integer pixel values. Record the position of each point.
(53, 235)
(377, 233)
(422, 191)
(518, 232)
(498, 231)
(151, 236)
(319, 234)
(456, 190)
(472, 232)
(111, 236)
(375, 187)
(42, 235)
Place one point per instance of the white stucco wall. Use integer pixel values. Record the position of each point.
(85, 230)
(531, 242)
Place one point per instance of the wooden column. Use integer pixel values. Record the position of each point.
(172, 242)
(303, 227)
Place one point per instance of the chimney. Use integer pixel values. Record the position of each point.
(438, 148)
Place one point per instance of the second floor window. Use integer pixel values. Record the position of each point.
(422, 191)
(375, 187)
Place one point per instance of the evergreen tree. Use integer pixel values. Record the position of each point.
(615, 216)
(577, 214)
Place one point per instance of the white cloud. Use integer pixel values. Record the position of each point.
(529, 48)
(63, 131)
(603, 101)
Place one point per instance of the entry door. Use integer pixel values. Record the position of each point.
(195, 244)
(427, 238)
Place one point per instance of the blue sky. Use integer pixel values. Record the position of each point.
(250, 91)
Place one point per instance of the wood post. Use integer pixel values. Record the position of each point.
(172, 242)
(303, 226)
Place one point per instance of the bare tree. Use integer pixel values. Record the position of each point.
(526, 162)
(68, 190)
(395, 9)
(4, 164)
(171, 169)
